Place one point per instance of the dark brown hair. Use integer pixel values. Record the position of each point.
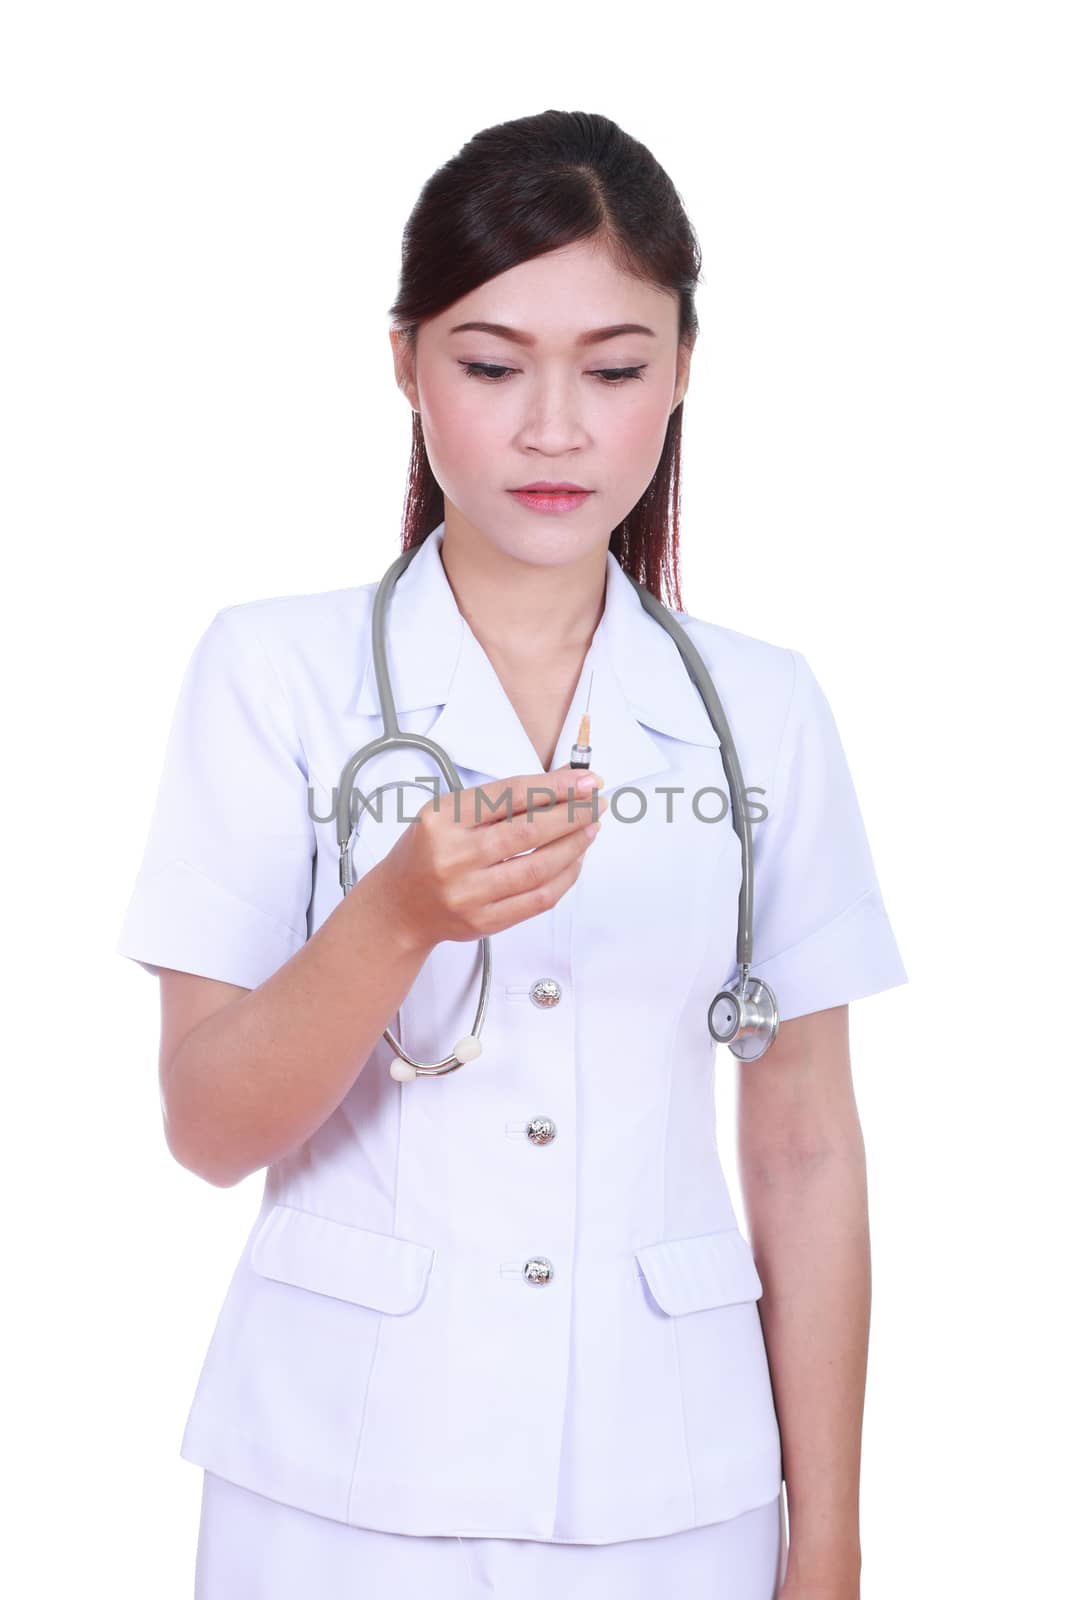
(517, 191)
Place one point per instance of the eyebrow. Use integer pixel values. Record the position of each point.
(516, 336)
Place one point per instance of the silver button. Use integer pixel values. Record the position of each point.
(538, 1270)
(545, 992)
(540, 1130)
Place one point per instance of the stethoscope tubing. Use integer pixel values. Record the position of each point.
(750, 1007)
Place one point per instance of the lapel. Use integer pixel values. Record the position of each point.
(435, 660)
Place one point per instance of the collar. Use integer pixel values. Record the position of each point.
(435, 659)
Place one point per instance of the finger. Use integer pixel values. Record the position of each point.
(527, 792)
(529, 902)
(525, 872)
(528, 796)
(522, 834)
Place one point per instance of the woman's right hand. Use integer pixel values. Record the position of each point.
(459, 870)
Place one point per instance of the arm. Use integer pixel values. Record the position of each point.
(803, 1175)
(247, 1074)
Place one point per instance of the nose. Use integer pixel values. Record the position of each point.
(555, 421)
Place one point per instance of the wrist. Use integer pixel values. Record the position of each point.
(403, 934)
(826, 1566)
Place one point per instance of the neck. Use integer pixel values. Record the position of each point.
(522, 611)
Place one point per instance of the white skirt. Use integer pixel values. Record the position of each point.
(254, 1548)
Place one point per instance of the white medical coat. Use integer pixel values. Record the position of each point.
(380, 1356)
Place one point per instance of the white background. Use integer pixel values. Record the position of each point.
(203, 207)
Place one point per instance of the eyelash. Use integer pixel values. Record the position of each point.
(481, 369)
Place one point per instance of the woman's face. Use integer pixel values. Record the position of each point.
(544, 403)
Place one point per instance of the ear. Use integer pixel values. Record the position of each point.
(404, 366)
(681, 382)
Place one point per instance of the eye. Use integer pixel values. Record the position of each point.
(613, 377)
(482, 369)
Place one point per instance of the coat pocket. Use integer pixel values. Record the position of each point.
(377, 1270)
(704, 1329)
(700, 1272)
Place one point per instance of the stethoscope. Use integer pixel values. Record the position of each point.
(743, 1016)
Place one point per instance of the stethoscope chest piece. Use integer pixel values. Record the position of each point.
(745, 1017)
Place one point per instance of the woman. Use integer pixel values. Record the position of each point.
(498, 1329)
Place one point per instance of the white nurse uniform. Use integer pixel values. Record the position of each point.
(514, 1303)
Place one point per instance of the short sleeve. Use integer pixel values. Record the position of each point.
(225, 881)
(820, 934)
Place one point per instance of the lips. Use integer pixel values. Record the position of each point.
(551, 501)
(551, 488)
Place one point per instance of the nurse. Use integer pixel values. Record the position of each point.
(501, 1331)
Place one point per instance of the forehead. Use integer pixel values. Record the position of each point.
(561, 296)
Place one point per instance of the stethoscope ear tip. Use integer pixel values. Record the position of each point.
(466, 1049)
